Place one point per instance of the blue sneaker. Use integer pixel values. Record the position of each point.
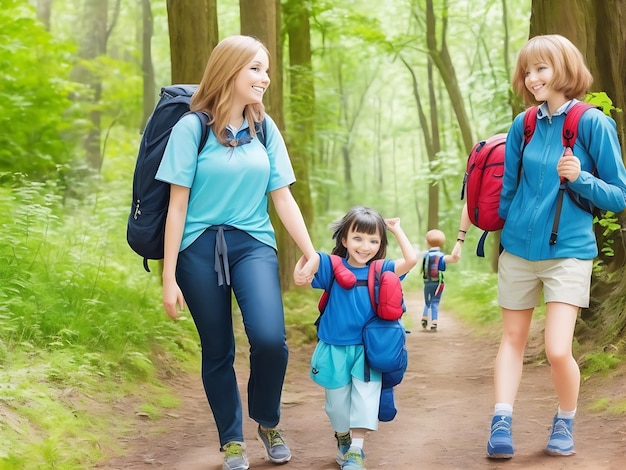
(353, 459)
(500, 445)
(343, 446)
(561, 440)
(277, 450)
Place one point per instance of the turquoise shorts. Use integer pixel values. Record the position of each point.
(334, 366)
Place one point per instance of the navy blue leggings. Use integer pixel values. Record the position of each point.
(255, 282)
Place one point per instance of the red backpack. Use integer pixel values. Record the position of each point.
(482, 182)
(385, 289)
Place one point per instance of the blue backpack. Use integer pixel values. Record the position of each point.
(145, 231)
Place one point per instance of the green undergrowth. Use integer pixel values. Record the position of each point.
(81, 330)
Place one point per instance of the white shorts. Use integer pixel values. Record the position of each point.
(353, 406)
(521, 282)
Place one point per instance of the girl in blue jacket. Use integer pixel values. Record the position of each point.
(550, 72)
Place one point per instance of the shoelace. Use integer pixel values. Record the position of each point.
(561, 428)
(274, 438)
(234, 450)
(501, 425)
(354, 457)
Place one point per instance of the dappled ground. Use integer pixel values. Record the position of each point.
(444, 412)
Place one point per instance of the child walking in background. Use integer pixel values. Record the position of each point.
(433, 266)
(338, 363)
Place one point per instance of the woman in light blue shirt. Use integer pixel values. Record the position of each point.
(219, 240)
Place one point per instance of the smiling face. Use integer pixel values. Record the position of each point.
(252, 80)
(361, 247)
(538, 77)
(539, 81)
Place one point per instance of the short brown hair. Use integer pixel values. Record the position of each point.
(571, 75)
(435, 238)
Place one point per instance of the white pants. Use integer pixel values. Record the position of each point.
(353, 406)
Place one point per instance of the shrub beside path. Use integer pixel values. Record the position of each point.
(444, 411)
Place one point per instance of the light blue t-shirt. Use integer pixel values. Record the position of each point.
(228, 185)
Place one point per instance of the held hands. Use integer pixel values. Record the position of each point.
(305, 269)
(568, 166)
(173, 300)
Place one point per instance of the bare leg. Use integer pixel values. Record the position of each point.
(510, 359)
(559, 333)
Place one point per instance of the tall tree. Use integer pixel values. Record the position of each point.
(44, 12)
(193, 35)
(147, 68)
(261, 18)
(440, 55)
(94, 44)
(301, 136)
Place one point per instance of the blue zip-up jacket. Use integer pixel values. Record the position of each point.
(528, 206)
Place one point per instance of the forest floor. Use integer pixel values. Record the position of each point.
(444, 412)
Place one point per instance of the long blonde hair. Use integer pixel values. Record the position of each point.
(571, 75)
(215, 92)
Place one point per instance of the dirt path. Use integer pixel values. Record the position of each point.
(444, 410)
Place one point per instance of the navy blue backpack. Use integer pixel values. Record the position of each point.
(145, 230)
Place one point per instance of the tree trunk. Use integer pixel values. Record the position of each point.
(193, 35)
(147, 68)
(44, 12)
(442, 60)
(433, 187)
(94, 44)
(301, 138)
(261, 18)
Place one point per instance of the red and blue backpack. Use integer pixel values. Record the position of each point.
(482, 182)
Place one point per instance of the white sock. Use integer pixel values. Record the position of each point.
(565, 414)
(503, 409)
(357, 442)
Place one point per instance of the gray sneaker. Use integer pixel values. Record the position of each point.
(277, 450)
(235, 458)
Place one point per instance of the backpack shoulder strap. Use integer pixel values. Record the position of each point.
(530, 122)
(204, 135)
(572, 117)
(440, 259)
(261, 131)
(425, 262)
(373, 281)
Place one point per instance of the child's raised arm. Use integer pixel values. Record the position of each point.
(409, 260)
